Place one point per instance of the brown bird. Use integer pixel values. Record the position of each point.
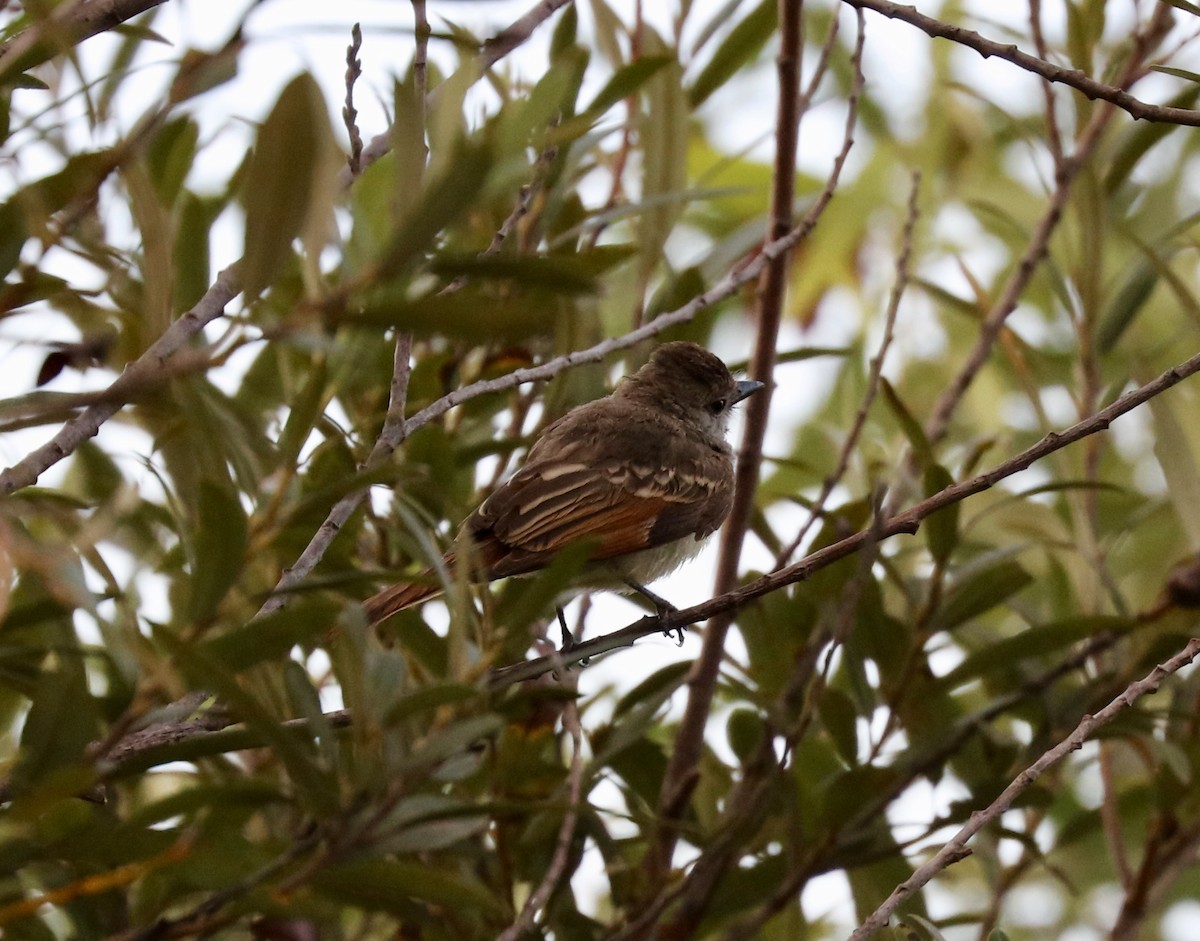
(643, 475)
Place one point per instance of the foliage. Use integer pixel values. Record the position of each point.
(173, 765)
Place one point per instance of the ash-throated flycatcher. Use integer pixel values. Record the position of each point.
(643, 476)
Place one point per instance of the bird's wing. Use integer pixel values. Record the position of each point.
(621, 506)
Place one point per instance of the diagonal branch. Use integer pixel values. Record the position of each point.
(85, 425)
(1075, 78)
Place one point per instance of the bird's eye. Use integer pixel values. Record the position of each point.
(717, 407)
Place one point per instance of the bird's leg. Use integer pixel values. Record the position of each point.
(568, 639)
(662, 607)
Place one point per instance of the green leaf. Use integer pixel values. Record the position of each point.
(1135, 141)
(452, 740)
(744, 730)
(218, 548)
(563, 274)
(169, 157)
(281, 179)
(62, 720)
(201, 71)
(387, 885)
(985, 588)
(909, 425)
(625, 82)
(744, 43)
(840, 719)
(1126, 305)
(1034, 642)
(564, 31)
(1177, 73)
(293, 747)
(664, 152)
(12, 237)
(431, 697)
(469, 314)
(272, 636)
(191, 260)
(449, 195)
(408, 156)
(1173, 419)
(941, 529)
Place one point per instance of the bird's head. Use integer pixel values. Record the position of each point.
(689, 381)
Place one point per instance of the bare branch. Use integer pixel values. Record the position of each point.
(137, 373)
(1075, 78)
(517, 32)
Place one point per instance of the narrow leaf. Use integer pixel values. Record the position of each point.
(278, 182)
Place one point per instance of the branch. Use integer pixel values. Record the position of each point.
(987, 48)
(68, 25)
(349, 112)
(137, 373)
(956, 848)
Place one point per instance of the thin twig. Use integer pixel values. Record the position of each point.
(1053, 132)
(956, 848)
(420, 66)
(349, 112)
(1075, 78)
(517, 32)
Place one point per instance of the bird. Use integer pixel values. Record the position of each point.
(642, 476)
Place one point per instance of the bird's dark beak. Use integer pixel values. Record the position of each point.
(744, 388)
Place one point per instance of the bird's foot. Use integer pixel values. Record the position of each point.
(568, 639)
(663, 609)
